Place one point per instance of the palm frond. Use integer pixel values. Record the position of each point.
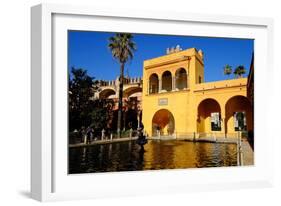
(122, 46)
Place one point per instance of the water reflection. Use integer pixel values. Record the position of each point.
(127, 156)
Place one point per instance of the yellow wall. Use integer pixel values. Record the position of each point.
(183, 104)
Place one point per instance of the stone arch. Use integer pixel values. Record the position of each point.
(181, 79)
(105, 93)
(167, 81)
(208, 116)
(131, 90)
(153, 84)
(164, 122)
(238, 104)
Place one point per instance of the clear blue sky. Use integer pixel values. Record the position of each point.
(88, 50)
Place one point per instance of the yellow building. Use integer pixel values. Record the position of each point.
(177, 101)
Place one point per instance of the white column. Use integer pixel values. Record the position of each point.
(138, 119)
(160, 85)
(223, 126)
(223, 123)
(173, 83)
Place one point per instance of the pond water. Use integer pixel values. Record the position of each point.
(127, 156)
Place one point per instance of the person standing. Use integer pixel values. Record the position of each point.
(82, 134)
(89, 135)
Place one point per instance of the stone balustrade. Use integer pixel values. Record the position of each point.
(130, 80)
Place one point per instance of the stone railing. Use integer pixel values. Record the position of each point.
(130, 80)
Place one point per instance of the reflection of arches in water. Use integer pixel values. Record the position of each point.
(109, 151)
(234, 107)
(208, 116)
(164, 122)
(215, 155)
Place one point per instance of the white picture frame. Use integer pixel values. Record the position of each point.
(48, 178)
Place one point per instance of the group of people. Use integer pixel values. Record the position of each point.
(87, 135)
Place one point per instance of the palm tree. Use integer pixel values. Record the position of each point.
(227, 69)
(239, 71)
(122, 48)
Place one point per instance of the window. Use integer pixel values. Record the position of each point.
(153, 84)
(215, 121)
(167, 81)
(240, 121)
(181, 79)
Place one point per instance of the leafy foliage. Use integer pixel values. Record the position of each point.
(84, 110)
(131, 114)
(239, 71)
(122, 47)
(101, 114)
(227, 69)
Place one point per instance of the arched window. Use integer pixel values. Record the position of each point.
(153, 84)
(167, 81)
(181, 79)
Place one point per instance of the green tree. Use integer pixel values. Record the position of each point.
(239, 71)
(227, 70)
(131, 115)
(81, 91)
(84, 110)
(122, 48)
(101, 112)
